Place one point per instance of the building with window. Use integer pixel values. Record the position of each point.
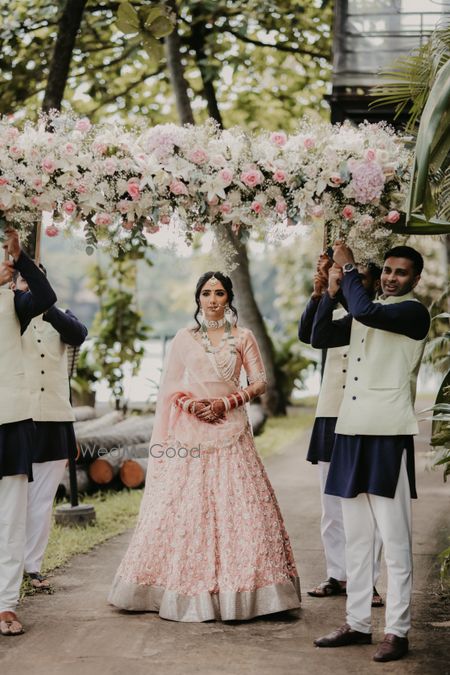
(368, 36)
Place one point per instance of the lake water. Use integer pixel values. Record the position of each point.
(143, 388)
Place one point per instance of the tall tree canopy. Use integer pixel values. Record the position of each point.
(269, 60)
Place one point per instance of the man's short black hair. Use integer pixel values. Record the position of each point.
(408, 253)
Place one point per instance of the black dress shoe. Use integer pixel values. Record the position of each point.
(392, 648)
(343, 636)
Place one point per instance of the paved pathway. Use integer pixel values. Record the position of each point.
(74, 631)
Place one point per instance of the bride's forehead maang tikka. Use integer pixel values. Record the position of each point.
(213, 281)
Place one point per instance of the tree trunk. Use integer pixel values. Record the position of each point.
(69, 25)
(273, 401)
(176, 71)
(250, 316)
(84, 483)
(105, 468)
(133, 471)
(209, 93)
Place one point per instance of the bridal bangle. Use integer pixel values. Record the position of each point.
(226, 403)
(237, 399)
(185, 403)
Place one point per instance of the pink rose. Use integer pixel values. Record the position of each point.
(370, 154)
(37, 183)
(198, 227)
(198, 156)
(83, 125)
(128, 225)
(165, 219)
(70, 148)
(16, 151)
(348, 212)
(366, 220)
(48, 164)
(226, 207)
(309, 143)
(218, 160)
(99, 148)
(51, 231)
(81, 188)
(177, 187)
(281, 206)
(335, 179)
(151, 228)
(110, 166)
(69, 207)
(392, 217)
(226, 176)
(252, 177)
(256, 207)
(317, 211)
(35, 200)
(278, 138)
(103, 219)
(123, 206)
(133, 189)
(279, 176)
(213, 201)
(3, 181)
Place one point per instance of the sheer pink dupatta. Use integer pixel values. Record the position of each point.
(189, 369)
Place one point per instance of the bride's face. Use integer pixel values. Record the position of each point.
(213, 299)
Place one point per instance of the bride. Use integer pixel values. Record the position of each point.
(210, 541)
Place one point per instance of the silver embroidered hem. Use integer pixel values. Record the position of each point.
(225, 606)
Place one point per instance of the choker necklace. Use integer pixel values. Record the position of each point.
(213, 324)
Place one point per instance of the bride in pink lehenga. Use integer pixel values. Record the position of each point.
(210, 541)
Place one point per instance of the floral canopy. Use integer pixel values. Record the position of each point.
(124, 185)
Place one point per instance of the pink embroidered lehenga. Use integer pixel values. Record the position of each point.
(210, 541)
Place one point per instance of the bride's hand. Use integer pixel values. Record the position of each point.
(218, 407)
(211, 412)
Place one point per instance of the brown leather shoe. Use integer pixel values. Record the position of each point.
(343, 636)
(392, 648)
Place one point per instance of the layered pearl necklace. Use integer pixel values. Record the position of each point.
(223, 357)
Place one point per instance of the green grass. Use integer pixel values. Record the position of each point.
(117, 511)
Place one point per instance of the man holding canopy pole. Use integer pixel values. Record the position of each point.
(16, 427)
(372, 465)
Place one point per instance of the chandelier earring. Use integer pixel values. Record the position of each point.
(229, 316)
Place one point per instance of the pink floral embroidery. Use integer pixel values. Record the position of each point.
(211, 522)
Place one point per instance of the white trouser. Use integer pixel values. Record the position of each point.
(362, 515)
(41, 493)
(333, 535)
(13, 513)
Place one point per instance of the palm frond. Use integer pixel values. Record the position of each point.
(443, 195)
(439, 304)
(437, 352)
(409, 80)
